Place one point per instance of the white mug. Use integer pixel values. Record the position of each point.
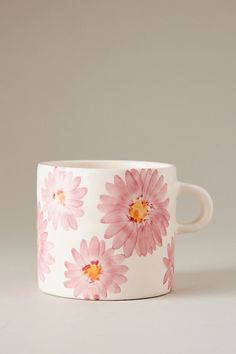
(106, 229)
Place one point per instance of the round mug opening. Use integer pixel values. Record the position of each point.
(106, 164)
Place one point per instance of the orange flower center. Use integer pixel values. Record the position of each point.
(59, 197)
(93, 270)
(138, 210)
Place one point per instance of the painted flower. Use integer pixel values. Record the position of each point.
(95, 271)
(169, 264)
(136, 211)
(62, 196)
(43, 246)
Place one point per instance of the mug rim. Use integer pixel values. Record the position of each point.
(107, 164)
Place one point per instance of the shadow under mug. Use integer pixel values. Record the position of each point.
(106, 229)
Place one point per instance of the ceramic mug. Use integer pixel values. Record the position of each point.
(106, 229)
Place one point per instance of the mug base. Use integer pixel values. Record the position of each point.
(107, 299)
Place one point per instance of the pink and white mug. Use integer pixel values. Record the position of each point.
(106, 229)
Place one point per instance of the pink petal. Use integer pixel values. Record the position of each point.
(171, 281)
(167, 262)
(143, 176)
(156, 233)
(107, 199)
(64, 222)
(108, 253)
(80, 288)
(113, 229)
(131, 183)
(102, 249)
(75, 273)
(86, 295)
(75, 183)
(149, 231)
(158, 186)
(48, 246)
(172, 246)
(162, 227)
(166, 276)
(72, 266)
(161, 212)
(117, 268)
(142, 243)
(72, 283)
(42, 236)
(44, 223)
(161, 194)
(84, 251)
(55, 221)
(72, 222)
(121, 186)
(112, 260)
(164, 217)
(149, 241)
(94, 248)
(158, 224)
(146, 183)
(106, 208)
(112, 286)
(152, 184)
(119, 278)
(40, 275)
(49, 259)
(138, 242)
(114, 217)
(130, 244)
(136, 175)
(81, 192)
(102, 292)
(113, 190)
(78, 213)
(77, 291)
(121, 237)
(79, 259)
(44, 268)
(74, 203)
(170, 249)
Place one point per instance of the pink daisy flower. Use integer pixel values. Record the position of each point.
(169, 264)
(136, 211)
(95, 270)
(43, 246)
(62, 199)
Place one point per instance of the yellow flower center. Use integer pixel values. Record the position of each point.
(138, 210)
(92, 270)
(59, 197)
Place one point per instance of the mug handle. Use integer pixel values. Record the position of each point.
(206, 208)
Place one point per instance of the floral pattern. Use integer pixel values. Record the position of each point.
(169, 264)
(136, 216)
(136, 211)
(45, 259)
(61, 198)
(95, 270)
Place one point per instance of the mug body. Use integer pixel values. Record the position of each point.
(106, 229)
